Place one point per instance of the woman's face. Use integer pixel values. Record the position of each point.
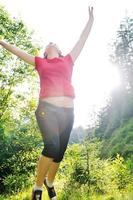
(51, 48)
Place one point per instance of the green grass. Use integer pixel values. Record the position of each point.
(24, 195)
(77, 194)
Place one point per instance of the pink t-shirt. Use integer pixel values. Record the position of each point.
(55, 76)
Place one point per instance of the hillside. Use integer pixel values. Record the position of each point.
(120, 141)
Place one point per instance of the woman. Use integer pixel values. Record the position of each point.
(54, 113)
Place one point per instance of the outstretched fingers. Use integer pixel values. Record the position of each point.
(90, 9)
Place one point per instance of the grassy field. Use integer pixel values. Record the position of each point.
(78, 194)
(26, 195)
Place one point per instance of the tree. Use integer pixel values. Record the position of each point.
(119, 109)
(13, 71)
(123, 52)
(18, 130)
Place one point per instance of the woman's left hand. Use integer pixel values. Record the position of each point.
(91, 16)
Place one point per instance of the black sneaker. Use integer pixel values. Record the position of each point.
(51, 191)
(36, 195)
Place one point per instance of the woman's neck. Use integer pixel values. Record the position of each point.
(51, 56)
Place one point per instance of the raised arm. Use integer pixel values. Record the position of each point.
(80, 43)
(18, 52)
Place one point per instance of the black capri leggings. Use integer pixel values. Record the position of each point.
(55, 124)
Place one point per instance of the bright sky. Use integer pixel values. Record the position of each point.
(62, 22)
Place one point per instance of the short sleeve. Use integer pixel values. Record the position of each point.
(69, 59)
(39, 62)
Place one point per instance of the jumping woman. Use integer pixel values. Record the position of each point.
(55, 109)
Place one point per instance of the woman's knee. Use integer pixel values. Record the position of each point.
(59, 158)
(51, 150)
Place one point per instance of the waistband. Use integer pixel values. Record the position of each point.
(45, 103)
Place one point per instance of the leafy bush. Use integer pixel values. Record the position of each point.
(18, 157)
(18, 171)
(91, 174)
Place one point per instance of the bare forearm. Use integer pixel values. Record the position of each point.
(18, 52)
(83, 37)
(85, 33)
(81, 42)
(11, 48)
